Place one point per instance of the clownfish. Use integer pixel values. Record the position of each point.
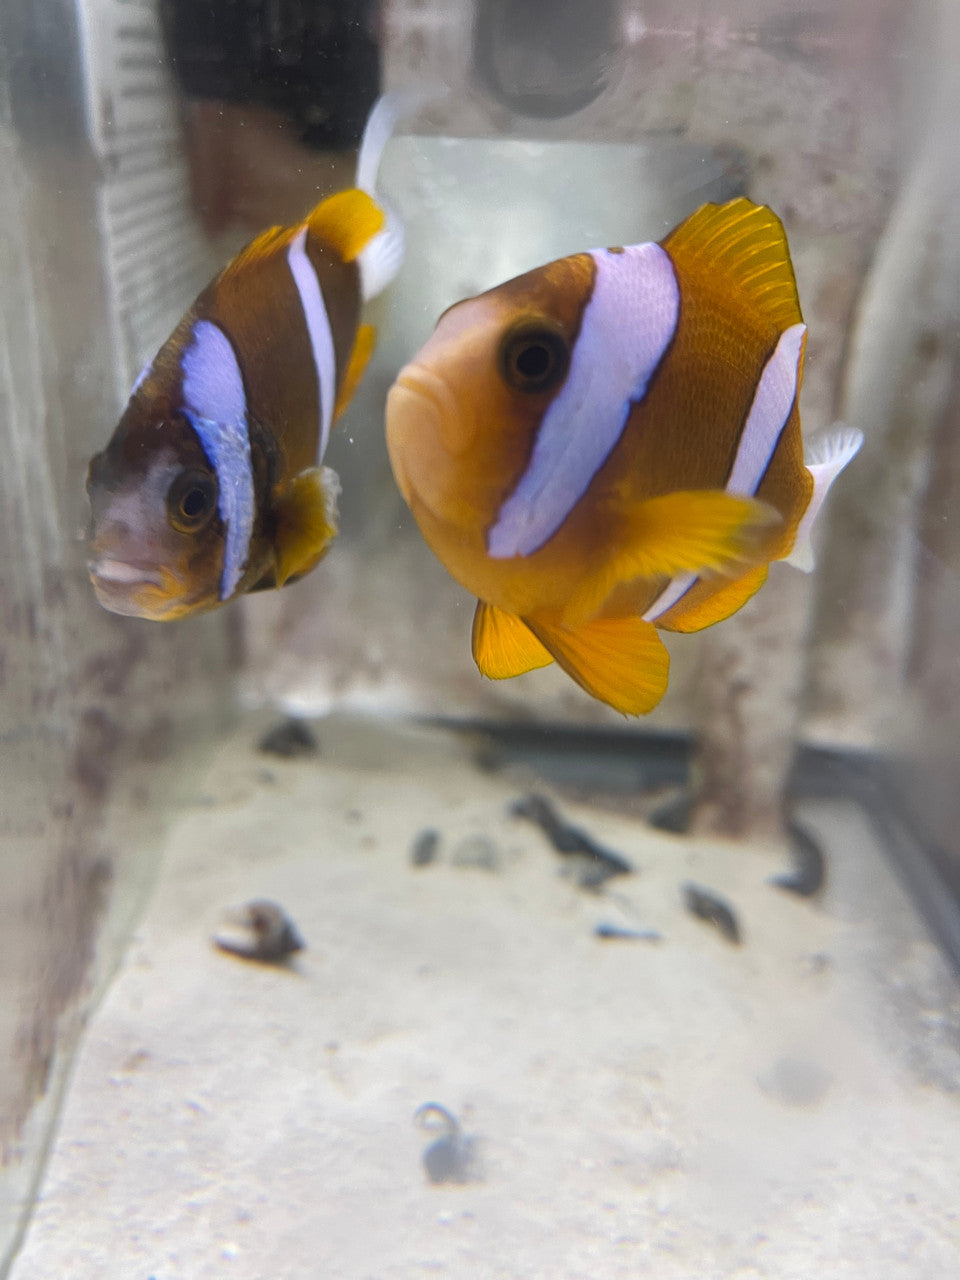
(212, 483)
(610, 446)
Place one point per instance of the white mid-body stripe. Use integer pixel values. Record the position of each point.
(318, 328)
(772, 402)
(215, 404)
(626, 328)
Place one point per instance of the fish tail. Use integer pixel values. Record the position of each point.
(385, 115)
(381, 259)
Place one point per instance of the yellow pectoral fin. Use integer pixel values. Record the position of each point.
(347, 222)
(620, 661)
(719, 604)
(359, 358)
(503, 645)
(709, 531)
(307, 523)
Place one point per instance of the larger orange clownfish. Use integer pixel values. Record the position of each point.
(212, 483)
(610, 445)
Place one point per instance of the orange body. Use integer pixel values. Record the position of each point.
(667, 506)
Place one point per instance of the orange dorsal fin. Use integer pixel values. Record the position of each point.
(363, 345)
(266, 243)
(347, 222)
(503, 645)
(715, 607)
(693, 530)
(746, 243)
(620, 661)
(306, 516)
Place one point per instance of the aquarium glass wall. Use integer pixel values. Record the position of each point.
(350, 928)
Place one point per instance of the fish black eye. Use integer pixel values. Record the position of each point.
(191, 500)
(534, 356)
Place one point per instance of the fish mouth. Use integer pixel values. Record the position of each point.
(124, 572)
(435, 399)
(135, 588)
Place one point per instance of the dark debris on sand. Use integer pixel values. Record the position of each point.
(289, 739)
(595, 864)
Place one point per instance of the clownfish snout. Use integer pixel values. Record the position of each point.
(138, 589)
(433, 402)
(428, 434)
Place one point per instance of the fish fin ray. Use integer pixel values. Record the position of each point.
(346, 222)
(827, 456)
(503, 645)
(619, 661)
(266, 243)
(707, 531)
(746, 243)
(307, 522)
(363, 346)
(381, 259)
(718, 606)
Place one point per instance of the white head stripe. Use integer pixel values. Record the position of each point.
(772, 402)
(318, 328)
(626, 327)
(216, 407)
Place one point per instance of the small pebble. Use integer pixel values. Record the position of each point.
(809, 868)
(673, 815)
(476, 851)
(423, 851)
(616, 932)
(290, 738)
(705, 905)
(259, 930)
(451, 1156)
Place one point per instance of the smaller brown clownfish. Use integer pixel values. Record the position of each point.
(610, 445)
(212, 483)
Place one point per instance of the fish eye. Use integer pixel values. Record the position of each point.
(191, 500)
(534, 356)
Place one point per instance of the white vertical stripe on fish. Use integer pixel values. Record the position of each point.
(675, 589)
(627, 326)
(772, 402)
(318, 328)
(215, 404)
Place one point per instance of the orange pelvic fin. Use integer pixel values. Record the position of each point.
(705, 531)
(363, 347)
(307, 522)
(717, 606)
(503, 645)
(620, 661)
(347, 222)
(746, 243)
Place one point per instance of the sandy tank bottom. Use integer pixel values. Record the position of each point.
(680, 1108)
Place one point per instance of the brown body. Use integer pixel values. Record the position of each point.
(256, 304)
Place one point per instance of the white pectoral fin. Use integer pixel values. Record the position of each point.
(827, 456)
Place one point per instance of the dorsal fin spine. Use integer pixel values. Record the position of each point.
(746, 243)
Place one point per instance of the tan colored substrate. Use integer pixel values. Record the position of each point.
(789, 1108)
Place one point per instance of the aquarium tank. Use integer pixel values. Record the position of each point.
(351, 928)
